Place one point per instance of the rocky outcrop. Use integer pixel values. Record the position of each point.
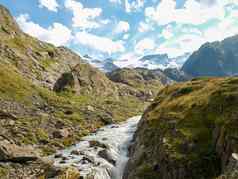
(189, 131)
(13, 153)
(11, 26)
(105, 154)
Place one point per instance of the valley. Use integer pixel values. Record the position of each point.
(63, 116)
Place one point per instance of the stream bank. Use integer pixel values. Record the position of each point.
(101, 155)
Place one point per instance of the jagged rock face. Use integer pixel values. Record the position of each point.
(41, 62)
(189, 131)
(91, 79)
(214, 59)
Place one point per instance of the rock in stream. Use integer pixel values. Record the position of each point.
(98, 158)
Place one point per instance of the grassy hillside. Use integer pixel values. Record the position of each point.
(50, 97)
(192, 131)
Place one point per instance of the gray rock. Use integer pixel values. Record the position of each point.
(61, 133)
(14, 153)
(107, 156)
(75, 152)
(95, 143)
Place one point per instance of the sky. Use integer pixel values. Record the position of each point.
(127, 29)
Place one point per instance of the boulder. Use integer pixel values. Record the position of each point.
(59, 125)
(5, 114)
(75, 152)
(88, 159)
(61, 133)
(90, 108)
(106, 118)
(14, 153)
(95, 143)
(58, 155)
(105, 154)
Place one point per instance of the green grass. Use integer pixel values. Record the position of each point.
(187, 114)
(3, 172)
(13, 86)
(47, 62)
(33, 129)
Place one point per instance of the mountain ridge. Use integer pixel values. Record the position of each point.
(214, 59)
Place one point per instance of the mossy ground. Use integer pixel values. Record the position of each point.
(3, 172)
(67, 108)
(181, 121)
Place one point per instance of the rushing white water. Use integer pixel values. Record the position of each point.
(89, 155)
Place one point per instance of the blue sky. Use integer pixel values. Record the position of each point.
(127, 29)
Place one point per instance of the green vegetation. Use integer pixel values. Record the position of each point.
(13, 86)
(50, 98)
(67, 107)
(46, 63)
(3, 172)
(141, 79)
(185, 117)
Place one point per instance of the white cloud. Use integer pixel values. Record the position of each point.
(135, 5)
(144, 45)
(193, 12)
(167, 32)
(105, 21)
(144, 27)
(126, 36)
(226, 28)
(188, 38)
(57, 34)
(99, 43)
(84, 18)
(122, 26)
(51, 5)
(115, 1)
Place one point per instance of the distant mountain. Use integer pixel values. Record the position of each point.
(214, 59)
(106, 65)
(176, 74)
(148, 81)
(154, 61)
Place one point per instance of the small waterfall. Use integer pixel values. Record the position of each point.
(102, 155)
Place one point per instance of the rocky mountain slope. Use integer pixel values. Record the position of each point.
(145, 80)
(189, 131)
(214, 59)
(49, 99)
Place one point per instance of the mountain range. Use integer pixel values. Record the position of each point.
(155, 61)
(211, 59)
